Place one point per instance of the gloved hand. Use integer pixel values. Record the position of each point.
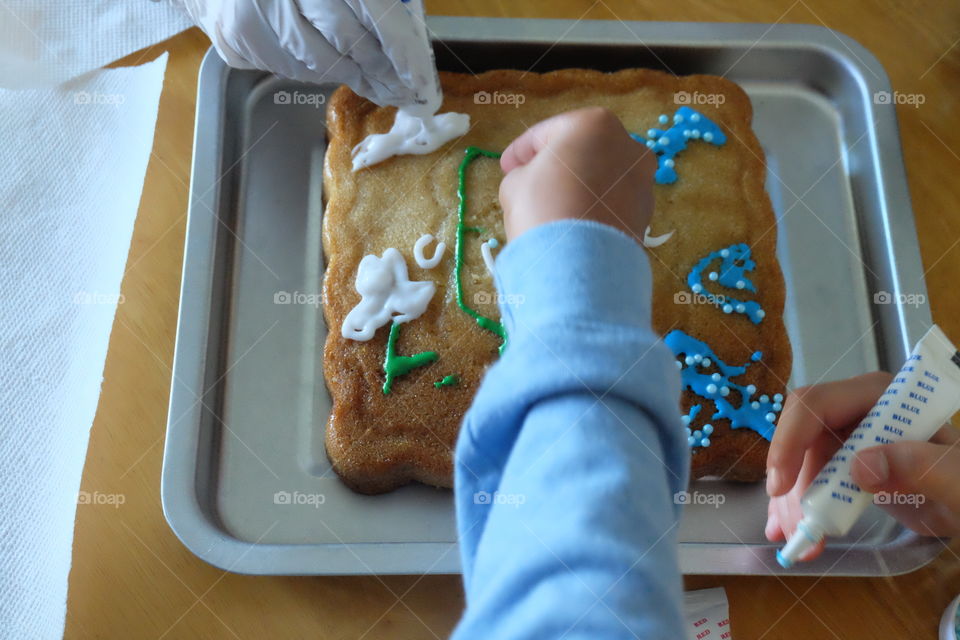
(370, 45)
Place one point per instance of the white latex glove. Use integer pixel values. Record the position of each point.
(375, 46)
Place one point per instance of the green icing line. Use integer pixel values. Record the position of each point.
(491, 325)
(448, 381)
(396, 365)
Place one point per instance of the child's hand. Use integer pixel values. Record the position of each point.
(815, 422)
(580, 164)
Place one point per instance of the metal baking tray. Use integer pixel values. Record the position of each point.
(246, 483)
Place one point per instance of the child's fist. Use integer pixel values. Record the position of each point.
(581, 164)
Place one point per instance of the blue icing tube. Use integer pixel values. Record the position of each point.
(703, 373)
(735, 262)
(688, 124)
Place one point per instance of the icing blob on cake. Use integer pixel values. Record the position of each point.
(410, 134)
(735, 263)
(386, 293)
(688, 124)
(709, 377)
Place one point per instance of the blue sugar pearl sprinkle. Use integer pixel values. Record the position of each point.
(668, 163)
(741, 308)
(713, 275)
(664, 141)
(725, 253)
(724, 391)
(685, 419)
(663, 119)
(754, 405)
(705, 442)
(691, 441)
(751, 389)
(708, 136)
(494, 243)
(741, 284)
(778, 397)
(716, 377)
(677, 119)
(706, 362)
(698, 358)
(708, 429)
(697, 435)
(711, 388)
(689, 361)
(777, 406)
(697, 288)
(651, 144)
(764, 398)
(771, 417)
(679, 365)
(695, 117)
(727, 308)
(652, 133)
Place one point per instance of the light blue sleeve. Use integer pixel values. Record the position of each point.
(569, 458)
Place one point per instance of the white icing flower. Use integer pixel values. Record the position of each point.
(386, 294)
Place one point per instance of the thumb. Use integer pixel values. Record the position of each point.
(911, 467)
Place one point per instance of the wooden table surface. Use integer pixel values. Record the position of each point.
(132, 578)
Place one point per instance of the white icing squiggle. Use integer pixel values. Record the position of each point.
(386, 294)
(410, 134)
(418, 247)
(485, 251)
(655, 241)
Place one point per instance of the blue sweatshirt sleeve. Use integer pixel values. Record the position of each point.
(569, 458)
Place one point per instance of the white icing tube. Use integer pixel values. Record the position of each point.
(923, 395)
(418, 248)
(416, 129)
(386, 294)
(655, 241)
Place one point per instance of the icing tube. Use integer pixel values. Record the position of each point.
(923, 395)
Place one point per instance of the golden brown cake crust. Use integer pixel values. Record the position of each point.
(377, 442)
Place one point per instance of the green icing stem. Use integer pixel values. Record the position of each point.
(448, 381)
(395, 365)
(484, 322)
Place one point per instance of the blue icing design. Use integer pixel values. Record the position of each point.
(696, 437)
(696, 359)
(735, 262)
(667, 143)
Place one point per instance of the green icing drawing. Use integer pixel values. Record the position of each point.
(396, 365)
(484, 322)
(448, 381)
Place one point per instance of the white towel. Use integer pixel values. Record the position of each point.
(72, 163)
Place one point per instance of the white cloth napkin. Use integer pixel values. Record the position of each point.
(73, 160)
(46, 42)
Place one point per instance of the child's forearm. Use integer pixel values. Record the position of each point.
(571, 453)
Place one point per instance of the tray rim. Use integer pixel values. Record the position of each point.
(200, 533)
